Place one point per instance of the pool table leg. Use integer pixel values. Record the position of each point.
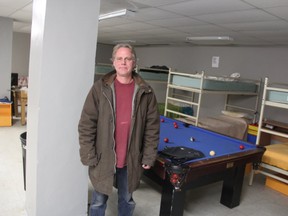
(172, 201)
(232, 186)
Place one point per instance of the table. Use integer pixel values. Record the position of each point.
(228, 165)
(22, 96)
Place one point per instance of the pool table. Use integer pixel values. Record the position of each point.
(227, 165)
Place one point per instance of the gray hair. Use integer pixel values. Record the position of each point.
(124, 45)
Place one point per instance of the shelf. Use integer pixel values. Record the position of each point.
(277, 105)
(271, 128)
(274, 132)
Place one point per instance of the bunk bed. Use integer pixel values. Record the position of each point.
(157, 77)
(102, 69)
(274, 163)
(185, 90)
(154, 73)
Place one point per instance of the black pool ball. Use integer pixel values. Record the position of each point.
(185, 124)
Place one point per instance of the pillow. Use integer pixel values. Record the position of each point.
(234, 114)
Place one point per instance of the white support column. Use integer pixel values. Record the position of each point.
(61, 71)
(6, 36)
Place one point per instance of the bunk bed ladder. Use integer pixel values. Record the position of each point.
(199, 98)
(260, 123)
(191, 119)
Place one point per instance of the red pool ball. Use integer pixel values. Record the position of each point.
(241, 147)
(175, 126)
(162, 120)
(166, 140)
(175, 123)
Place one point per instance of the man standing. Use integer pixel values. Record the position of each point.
(118, 132)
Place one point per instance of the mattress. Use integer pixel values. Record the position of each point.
(226, 125)
(151, 75)
(276, 96)
(276, 155)
(215, 84)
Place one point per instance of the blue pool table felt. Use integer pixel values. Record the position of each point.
(204, 140)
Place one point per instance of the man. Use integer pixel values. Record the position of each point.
(118, 132)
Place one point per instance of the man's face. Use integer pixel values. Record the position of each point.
(124, 62)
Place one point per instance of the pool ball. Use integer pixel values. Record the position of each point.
(241, 147)
(192, 139)
(162, 120)
(176, 126)
(212, 153)
(166, 140)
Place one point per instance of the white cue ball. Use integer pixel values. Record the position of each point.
(212, 153)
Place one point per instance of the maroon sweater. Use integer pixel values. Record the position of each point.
(124, 96)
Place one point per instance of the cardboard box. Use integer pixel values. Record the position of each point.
(252, 133)
(277, 185)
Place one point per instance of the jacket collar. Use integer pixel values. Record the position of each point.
(108, 79)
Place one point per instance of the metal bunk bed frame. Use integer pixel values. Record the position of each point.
(200, 91)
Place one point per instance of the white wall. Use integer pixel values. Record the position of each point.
(250, 62)
(20, 53)
(6, 27)
(104, 54)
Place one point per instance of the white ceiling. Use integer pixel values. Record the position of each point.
(163, 22)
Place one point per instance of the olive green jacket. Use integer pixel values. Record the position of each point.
(96, 133)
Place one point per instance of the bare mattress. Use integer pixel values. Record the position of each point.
(276, 96)
(226, 125)
(215, 83)
(276, 155)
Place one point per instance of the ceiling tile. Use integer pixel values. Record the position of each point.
(156, 2)
(200, 7)
(269, 25)
(253, 15)
(171, 21)
(267, 3)
(153, 13)
(279, 12)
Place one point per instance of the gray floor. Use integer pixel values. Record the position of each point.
(256, 199)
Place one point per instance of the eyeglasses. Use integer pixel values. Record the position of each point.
(120, 59)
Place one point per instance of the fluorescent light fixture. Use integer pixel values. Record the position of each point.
(124, 41)
(117, 13)
(210, 38)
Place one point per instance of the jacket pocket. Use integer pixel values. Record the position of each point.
(98, 158)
